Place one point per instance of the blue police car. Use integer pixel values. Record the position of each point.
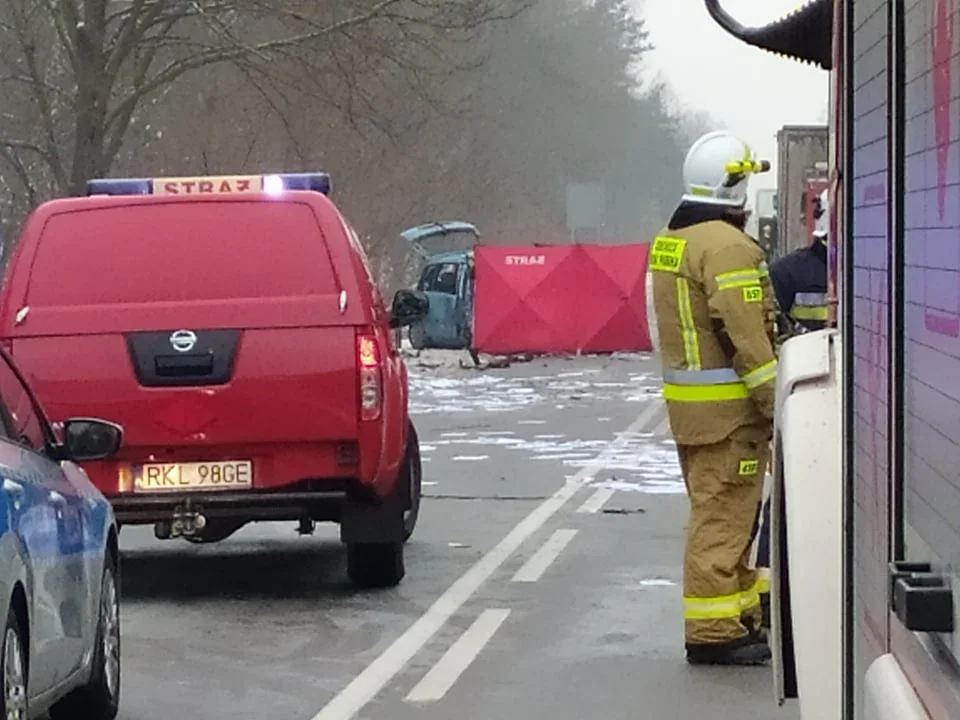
(59, 585)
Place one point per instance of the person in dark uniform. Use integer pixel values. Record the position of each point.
(800, 278)
(799, 281)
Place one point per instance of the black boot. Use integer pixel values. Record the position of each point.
(748, 650)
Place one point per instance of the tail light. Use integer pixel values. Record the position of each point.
(371, 377)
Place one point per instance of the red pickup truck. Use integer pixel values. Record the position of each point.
(232, 326)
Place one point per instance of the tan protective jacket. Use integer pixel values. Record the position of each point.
(716, 315)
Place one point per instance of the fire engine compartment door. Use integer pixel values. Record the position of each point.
(807, 526)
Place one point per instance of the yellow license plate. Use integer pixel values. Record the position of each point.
(207, 476)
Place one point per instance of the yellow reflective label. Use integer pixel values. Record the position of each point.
(753, 294)
(748, 467)
(666, 254)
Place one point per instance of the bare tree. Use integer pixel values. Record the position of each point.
(80, 71)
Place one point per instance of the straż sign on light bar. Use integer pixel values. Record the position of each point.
(274, 184)
(208, 185)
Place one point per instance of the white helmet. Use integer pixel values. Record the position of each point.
(821, 215)
(717, 170)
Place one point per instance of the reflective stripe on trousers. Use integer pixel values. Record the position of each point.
(809, 306)
(723, 607)
(716, 385)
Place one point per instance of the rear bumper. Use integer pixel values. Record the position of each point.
(363, 516)
(277, 468)
(324, 505)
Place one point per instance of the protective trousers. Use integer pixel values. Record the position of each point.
(725, 484)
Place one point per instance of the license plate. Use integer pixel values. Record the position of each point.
(207, 476)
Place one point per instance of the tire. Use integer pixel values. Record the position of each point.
(375, 565)
(417, 335)
(14, 670)
(412, 476)
(99, 699)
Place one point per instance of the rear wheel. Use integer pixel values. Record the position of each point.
(413, 478)
(418, 336)
(99, 699)
(375, 565)
(13, 703)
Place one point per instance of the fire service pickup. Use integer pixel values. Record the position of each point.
(240, 341)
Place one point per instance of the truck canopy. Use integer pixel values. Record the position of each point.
(459, 235)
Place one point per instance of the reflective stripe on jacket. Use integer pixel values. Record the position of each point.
(809, 306)
(715, 314)
(800, 282)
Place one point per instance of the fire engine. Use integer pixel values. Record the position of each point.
(866, 491)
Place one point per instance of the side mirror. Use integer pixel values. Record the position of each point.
(90, 439)
(409, 306)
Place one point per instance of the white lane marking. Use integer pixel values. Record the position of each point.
(471, 458)
(378, 674)
(664, 427)
(597, 500)
(538, 563)
(442, 676)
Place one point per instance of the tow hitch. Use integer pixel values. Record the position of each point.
(306, 526)
(187, 522)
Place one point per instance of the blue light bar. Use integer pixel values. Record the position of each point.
(212, 185)
(133, 186)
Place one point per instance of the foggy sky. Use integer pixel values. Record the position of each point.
(752, 92)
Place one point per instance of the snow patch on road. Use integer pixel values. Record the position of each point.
(465, 391)
(641, 463)
(487, 393)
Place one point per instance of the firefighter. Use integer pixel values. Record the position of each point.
(800, 278)
(800, 283)
(715, 314)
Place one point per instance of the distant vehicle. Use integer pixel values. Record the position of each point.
(801, 170)
(241, 340)
(60, 564)
(446, 278)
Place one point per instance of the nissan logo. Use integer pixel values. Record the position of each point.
(183, 340)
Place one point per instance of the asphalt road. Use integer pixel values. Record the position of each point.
(543, 580)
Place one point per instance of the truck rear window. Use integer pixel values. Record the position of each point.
(177, 252)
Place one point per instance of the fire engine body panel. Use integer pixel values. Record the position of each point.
(895, 154)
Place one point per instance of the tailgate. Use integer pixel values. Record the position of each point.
(203, 387)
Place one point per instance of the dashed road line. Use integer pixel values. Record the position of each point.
(379, 673)
(596, 501)
(538, 563)
(442, 676)
(663, 428)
